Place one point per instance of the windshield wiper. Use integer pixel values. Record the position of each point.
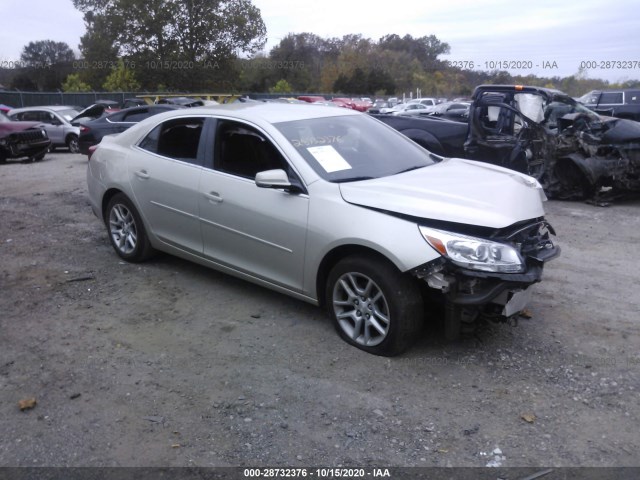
(352, 179)
(411, 168)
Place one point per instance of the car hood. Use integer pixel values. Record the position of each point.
(10, 127)
(91, 112)
(454, 190)
(622, 131)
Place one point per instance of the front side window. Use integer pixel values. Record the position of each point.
(178, 139)
(243, 151)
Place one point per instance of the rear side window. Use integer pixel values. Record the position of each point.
(611, 97)
(136, 115)
(632, 96)
(178, 139)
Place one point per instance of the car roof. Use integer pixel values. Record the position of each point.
(270, 112)
(55, 108)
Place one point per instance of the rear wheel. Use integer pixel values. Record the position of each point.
(374, 306)
(126, 230)
(72, 143)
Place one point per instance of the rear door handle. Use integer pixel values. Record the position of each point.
(143, 174)
(214, 197)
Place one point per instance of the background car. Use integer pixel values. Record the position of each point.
(312, 98)
(110, 106)
(406, 109)
(458, 111)
(542, 132)
(22, 139)
(57, 122)
(181, 101)
(92, 130)
(426, 101)
(614, 103)
(329, 206)
(133, 102)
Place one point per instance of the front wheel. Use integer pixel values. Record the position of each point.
(72, 144)
(126, 230)
(373, 305)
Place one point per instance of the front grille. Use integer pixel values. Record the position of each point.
(28, 136)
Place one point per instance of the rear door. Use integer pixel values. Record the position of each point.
(164, 173)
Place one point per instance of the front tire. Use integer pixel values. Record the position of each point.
(126, 230)
(374, 306)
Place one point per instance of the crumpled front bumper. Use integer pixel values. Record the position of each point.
(471, 288)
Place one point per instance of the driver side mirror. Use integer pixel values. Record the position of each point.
(276, 179)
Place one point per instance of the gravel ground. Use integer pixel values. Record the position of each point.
(170, 364)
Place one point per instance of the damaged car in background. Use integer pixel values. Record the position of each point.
(22, 140)
(331, 207)
(569, 149)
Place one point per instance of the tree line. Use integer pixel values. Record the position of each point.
(205, 46)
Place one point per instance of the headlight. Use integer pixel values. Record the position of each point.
(473, 252)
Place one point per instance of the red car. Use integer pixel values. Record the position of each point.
(312, 98)
(22, 139)
(343, 102)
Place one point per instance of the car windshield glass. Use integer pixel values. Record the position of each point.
(354, 147)
(563, 105)
(4, 118)
(68, 114)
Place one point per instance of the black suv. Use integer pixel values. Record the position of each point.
(614, 103)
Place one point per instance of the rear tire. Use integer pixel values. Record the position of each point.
(126, 231)
(374, 306)
(72, 144)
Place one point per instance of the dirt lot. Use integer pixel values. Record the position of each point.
(170, 364)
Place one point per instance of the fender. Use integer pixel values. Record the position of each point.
(595, 169)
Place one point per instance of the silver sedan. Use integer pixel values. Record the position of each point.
(329, 206)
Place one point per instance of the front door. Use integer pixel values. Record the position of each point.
(258, 231)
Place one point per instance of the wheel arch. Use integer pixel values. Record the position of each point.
(106, 198)
(333, 257)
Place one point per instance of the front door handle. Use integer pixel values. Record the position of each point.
(143, 174)
(214, 197)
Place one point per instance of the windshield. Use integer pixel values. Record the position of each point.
(354, 147)
(4, 118)
(560, 106)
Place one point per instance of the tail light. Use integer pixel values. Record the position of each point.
(92, 149)
(84, 129)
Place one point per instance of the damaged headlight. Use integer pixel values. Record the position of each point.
(473, 252)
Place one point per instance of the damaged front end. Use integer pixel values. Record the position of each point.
(593, 154)
(489, 276)
(571, 150)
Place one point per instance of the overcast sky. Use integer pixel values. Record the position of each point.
(547, 33)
